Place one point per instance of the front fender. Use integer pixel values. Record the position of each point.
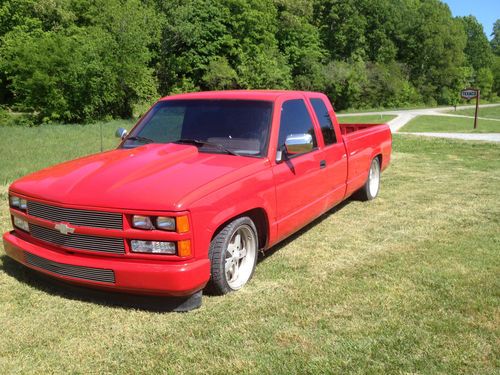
(219, 207)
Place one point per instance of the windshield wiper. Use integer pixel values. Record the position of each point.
(197, 142)
(140, 139)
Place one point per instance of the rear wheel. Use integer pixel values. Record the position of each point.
(372, 185)
(233, 255)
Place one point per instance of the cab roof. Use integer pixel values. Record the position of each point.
(269, 95)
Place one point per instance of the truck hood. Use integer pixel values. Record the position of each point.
(150, 177)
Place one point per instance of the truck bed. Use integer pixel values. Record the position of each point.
(351, 128)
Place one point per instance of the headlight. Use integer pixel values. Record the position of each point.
(153, 247)
(23, 204)
(165, 223)
(142, 222)
(14, 201)
(17, 202)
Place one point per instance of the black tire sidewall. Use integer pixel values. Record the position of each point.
(218, 282)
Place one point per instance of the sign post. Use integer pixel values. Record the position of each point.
(469, 94)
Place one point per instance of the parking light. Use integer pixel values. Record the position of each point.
(153, 247)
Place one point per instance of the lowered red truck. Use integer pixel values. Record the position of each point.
(201, 184)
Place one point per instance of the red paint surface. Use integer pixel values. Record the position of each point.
(173, 179)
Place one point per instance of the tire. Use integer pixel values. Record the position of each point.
(371, 187)
(233, 256)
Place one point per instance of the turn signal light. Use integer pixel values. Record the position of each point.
(184, 248)
(182, 224)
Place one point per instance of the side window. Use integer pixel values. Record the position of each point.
(295, 120)
(325, 121)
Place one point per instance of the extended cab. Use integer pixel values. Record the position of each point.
(201, 184)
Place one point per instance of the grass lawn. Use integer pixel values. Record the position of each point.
(367, 119)
(488, 112)
(444, 124)
(407, 283)
(25, 150)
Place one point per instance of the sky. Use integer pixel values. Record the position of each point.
(486, 11)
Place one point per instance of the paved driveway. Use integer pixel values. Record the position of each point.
(406, 115)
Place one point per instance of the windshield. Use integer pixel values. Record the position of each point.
(239, 126)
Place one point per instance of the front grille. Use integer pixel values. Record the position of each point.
(79, 241)
(78, 272)
(109, 220)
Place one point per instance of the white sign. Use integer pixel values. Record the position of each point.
(469, 94)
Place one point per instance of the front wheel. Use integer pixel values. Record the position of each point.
(372, 185)
(233, 255)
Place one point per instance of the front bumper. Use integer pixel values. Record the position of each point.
(130, 275)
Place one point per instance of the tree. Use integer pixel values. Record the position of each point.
(484, 81)
(431, 44)
(495, 42)
(219, 75)
(93, 58)
(342, 27)
(496, 75)
(238, 35)
(477, 49)
(80, 73)
(300, 43)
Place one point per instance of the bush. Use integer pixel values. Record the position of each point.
(82, 73)
(9, 119)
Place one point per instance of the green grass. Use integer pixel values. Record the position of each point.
(445, 124)
(488, 112)
(407, 283)
(367, 119)
(25, 150)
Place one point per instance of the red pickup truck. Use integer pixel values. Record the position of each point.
(201, 184)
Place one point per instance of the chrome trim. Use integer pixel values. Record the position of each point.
(77, 272)
(110, 245)
(64, 229)
(298, 143)
(86, 218)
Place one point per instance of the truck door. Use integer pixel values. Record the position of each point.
(335, 151)
(300, 179)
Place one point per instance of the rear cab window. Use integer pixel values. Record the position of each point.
(324, 120)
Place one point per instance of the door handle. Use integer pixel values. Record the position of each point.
(322, 164)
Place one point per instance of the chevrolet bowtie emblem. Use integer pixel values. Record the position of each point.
(64, 229)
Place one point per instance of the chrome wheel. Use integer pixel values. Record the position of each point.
(240, 257)
(374, 178)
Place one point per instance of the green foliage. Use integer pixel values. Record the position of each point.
(496, 75)
(220, 75)
(80, 60)
(495, 42)
(433, 49)
(484, 81)
(15, 119)
(77, 73)
(224, 44)
(299, 41)
(477, 49)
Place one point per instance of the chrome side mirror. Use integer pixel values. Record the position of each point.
(121, 133)
(298, 143)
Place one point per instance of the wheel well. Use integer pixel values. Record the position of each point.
(259, 217)
(379, 157)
